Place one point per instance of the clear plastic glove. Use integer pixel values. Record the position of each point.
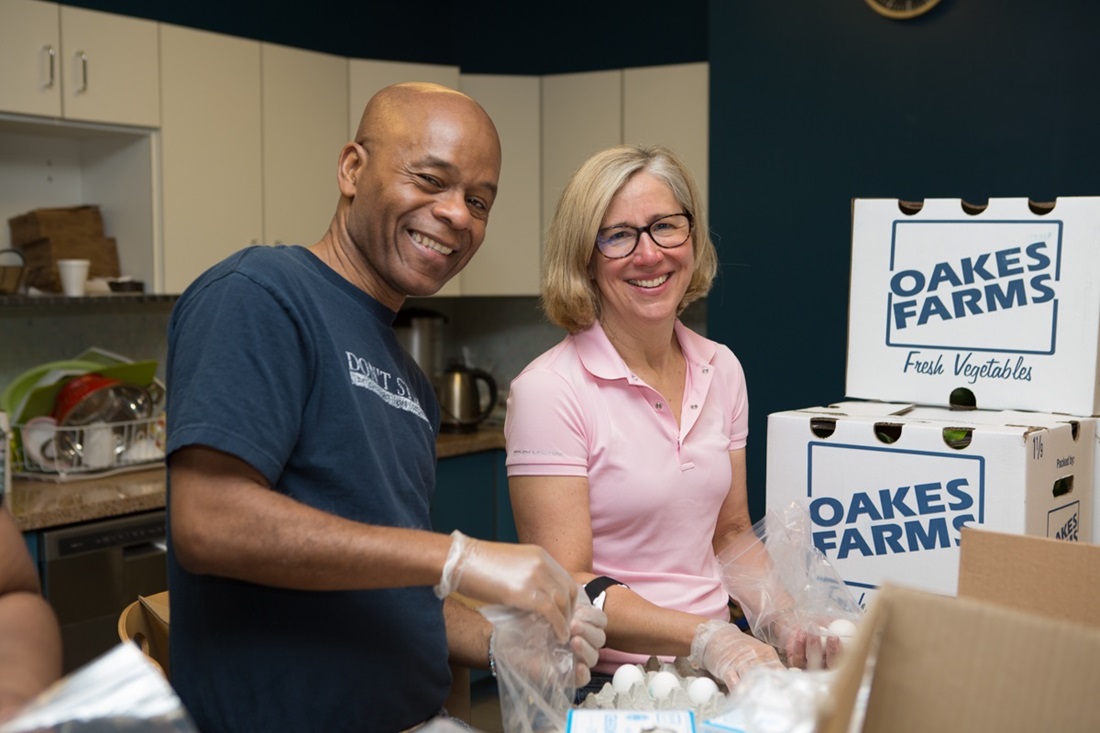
(588, 636)
(806, 643)
(727, 652)
(525, 577)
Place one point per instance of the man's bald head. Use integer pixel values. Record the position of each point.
(406, 106)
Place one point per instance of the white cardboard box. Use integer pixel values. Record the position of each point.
(1004, 304)
(888, 491)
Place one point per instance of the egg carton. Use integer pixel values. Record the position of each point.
(89, 450)
(658, 685)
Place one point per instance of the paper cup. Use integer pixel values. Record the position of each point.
(74, 276)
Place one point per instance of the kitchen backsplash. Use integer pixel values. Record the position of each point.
(499, 335)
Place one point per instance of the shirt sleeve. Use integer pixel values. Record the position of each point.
(544, 427)
(739, 398)
(237, 375)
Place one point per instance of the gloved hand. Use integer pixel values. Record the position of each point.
(520, 576)
(588, 636)
(806, 643)
(727, 652)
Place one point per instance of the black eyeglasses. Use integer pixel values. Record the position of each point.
(668, 232)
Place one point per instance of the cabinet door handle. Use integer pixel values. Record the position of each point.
(83, 72)
(51, 54)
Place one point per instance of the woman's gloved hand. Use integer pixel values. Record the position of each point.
(519, 576)
(808, 644)
(587, 637)
(727, 652)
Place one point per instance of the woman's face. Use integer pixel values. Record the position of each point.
(645, 287)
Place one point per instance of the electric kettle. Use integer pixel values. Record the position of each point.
(460, 398)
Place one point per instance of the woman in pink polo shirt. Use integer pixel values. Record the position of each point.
(626, 441)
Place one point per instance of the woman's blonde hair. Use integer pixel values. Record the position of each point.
(569, 295)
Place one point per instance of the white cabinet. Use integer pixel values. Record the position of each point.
(43, 165)
(366, 76)
(668, 105)
(305, 112)
(252, 133)
(508, 261)
(61, 61)
(581, 115)
(211, 150)
(587, 112)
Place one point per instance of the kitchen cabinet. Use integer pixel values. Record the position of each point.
(66, 62)
(508, 261)
(367, 76)
(471, 495)
(251, 137)
(43, 164)
(587, 112)
(669, 105)
(581, 114)
(305, 112)
(211, 150)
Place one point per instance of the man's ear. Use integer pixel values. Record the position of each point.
(352, 159)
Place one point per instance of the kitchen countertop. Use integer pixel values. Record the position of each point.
(42, 504)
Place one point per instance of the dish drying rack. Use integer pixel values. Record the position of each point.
(131, 446)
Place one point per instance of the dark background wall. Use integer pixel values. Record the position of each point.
(485, 37)
(813, 103)
(814, 106)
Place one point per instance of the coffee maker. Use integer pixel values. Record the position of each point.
(420, 332)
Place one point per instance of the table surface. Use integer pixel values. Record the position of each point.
(41, 504)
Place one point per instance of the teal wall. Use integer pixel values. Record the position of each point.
(815, 103)
(486, 37)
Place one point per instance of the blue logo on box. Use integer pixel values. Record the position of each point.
(868, 503)
(988, 286)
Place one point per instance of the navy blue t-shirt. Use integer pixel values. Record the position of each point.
(276, 359)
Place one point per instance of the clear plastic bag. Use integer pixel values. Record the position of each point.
(119, 691)
(535, 671)
(785, 583)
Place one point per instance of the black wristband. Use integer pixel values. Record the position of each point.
(596, 588)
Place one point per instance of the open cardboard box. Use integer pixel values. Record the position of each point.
(1017, 650)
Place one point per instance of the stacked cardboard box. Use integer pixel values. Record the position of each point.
(974, 341)
(45, 236)
(1018, 650)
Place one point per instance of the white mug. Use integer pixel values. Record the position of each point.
(37, 438)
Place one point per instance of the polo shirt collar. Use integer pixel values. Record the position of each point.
(601, 359)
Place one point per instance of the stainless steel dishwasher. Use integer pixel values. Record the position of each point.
(91, 571)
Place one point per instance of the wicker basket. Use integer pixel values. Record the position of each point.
(11, 275)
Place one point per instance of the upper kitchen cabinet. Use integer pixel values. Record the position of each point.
(508, 261)
(211, 150)
(581, 114)
(76, 64)
(367, 76)
(669, 105)
(305, 113)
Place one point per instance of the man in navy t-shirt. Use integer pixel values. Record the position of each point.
(308, 592)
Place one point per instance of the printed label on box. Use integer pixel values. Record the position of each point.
(1001, 296)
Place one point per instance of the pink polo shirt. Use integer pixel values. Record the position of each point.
(655, 488)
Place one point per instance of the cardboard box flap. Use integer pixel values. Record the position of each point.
(924, 662)
(860, 408)
(1036, 574)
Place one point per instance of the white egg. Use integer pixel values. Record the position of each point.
(626, 676)
(662, 684)
(701, 690)
(843, 628)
